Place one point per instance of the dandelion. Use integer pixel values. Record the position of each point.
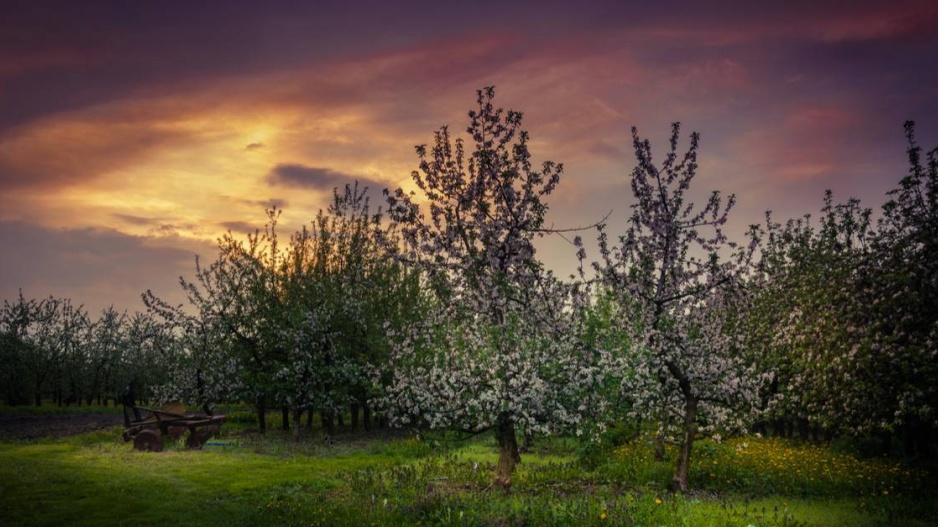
(657, 500)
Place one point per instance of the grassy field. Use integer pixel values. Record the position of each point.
(389, 479)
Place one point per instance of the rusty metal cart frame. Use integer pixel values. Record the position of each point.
(169, 421)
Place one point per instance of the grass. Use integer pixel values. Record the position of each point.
(246, 479)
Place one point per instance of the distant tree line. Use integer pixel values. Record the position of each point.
(845, 319)
(53, 350)
(436, 313)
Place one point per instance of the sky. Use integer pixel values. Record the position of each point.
(134, 134)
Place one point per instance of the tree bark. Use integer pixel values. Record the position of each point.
(508, 456)
(285, 418)
(328, 421)
(261, 406)
(679, 481)
(803, 429)
(355, 409)
(659, 445)
(297, 423)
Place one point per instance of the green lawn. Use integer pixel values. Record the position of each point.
(96, 479)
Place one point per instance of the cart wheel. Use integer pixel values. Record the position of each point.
(198, 437)
(148, 441)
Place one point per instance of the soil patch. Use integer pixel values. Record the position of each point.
(36, 426)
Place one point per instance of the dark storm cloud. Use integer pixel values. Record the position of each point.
(241, 227)
(315, 178)
(136, 220)
(95, 267)
(259, 204)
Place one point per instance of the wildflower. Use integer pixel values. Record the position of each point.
(657, 500)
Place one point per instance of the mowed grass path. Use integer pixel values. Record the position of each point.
(95, 479)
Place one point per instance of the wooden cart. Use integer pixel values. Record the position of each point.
(171, 421)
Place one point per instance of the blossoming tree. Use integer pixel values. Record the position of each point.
(686, 367)
(801, 324)
(905, 307)
(290, 324)
(495, 352)
(845, 315)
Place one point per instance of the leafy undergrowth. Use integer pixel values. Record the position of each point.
(383, 479)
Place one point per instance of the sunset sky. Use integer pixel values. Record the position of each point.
(134, 133)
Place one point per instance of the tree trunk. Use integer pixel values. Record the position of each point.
(297, 423)
(916, 435)
(366, 418)
(328, 421)
(923, 441)
(659, 445)
(679, 481)
(355, 409)
(508, 455)
(760, 428)
(285, 417)
(885, 442)
(803, 429)
(778, 428)
(261, 406)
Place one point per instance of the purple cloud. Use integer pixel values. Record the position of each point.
(316, 178)
(95, 267)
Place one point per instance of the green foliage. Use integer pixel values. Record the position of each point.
(844, 319)
(54, 351)
(297, 324)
